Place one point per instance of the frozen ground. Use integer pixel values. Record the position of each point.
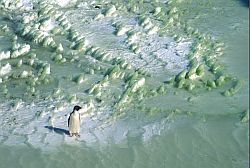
(122, 62)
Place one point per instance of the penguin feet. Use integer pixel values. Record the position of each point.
(74, 134)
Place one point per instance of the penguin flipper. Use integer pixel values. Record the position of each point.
(69, 117)
(68, 121)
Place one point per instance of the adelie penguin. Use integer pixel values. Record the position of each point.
(74, 122)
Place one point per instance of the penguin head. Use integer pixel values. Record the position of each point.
(76, 108)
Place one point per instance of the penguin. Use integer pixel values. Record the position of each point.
(74, 122)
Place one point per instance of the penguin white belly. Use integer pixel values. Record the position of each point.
(74, 124)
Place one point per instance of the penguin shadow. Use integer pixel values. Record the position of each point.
(58, 130)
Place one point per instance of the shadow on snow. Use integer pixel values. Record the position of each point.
(58, 130)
